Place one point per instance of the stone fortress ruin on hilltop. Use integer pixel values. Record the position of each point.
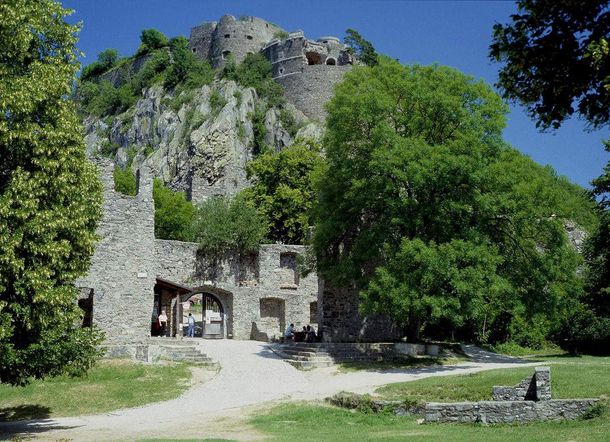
(135, 276)
(307, 69)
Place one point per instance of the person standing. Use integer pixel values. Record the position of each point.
(163, 322)
(288, 334)
(191, 329)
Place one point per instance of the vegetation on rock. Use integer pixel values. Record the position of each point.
(50, 197)
(363, 49)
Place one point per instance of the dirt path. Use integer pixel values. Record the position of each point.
(252, 377)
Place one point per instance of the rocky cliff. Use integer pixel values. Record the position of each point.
(199, 141)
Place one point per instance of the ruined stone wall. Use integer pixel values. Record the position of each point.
(342, 322)
(265, 297)
(312, 88)
(123, 268)
(506, 412)
(215, 41)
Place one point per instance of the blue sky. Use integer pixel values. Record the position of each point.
(455, 33)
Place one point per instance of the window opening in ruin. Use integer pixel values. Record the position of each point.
(281, 70)
(194, 50)
(313, 58)
(313, 312)
(225, 54)
(331, 61)
(85, 302)
(288, 263)
(249, 37)
(227, 35)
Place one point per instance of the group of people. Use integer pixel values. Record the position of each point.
(308, 334)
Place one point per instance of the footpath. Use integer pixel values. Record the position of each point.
(251, 377)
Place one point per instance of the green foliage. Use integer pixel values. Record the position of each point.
(289, 122)
(363, 49)
(283, 189)
(439, 223)
(255, 71)
(259, 129)
(151, 39)
(173, 213)
(185, 69)
(124, 181)
(545, 51)
(50, 197)
(281, 34)
(223, 226)
(106, 60)
(217, 102)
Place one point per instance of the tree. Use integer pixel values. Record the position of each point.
(152, 39)
(432, 216)
(557, 63)
(255, 71)
(547, 51)
(283, 189)
(223, 226)
(106, 60)
(362, 48)
(50, 197)
(173, 213)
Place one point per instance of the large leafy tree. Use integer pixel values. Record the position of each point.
(50, 196)
(556, 63)
(283, 189)
(173, 213)
(437, 222)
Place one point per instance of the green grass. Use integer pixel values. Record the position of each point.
(571, 377)
(323, 423)
(111, 385)
(417, 362)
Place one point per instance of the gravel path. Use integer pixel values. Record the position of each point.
(251, 376)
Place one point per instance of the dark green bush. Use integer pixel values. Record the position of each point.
(255, 72)
(106, 60)
(173, 213)
(151, 39)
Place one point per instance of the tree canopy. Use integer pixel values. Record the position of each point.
(363, 49)
(173, 213)
(283, 189)
(554, 63)
(50, 197)
(432, 216)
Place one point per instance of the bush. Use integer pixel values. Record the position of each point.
(255, 72)
(217, 102)
(151, 39)
(223, 225)
(106, 60)
(260, 130)
(124, 181)
(173, 213)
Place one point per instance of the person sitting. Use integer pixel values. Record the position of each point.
(311, 334)
(289, 333)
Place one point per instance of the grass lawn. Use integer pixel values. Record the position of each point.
(323, 423)
(571, 377)
(110, 385)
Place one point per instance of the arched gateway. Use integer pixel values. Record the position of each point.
(210, 306)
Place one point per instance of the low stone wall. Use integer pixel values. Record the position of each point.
(504, 412)
(407, 349)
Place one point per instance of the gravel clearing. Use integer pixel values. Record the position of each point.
(252, 377)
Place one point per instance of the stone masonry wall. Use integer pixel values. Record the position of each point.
(123, 268)
(264, 279)
(342, 322)
(505, 412)
(310, 90)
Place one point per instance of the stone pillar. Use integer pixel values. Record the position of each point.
(542, 376)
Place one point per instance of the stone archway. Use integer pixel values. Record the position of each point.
(313, 57)
(216, 320)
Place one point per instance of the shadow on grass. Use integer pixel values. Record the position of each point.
(24, 421)
(401, 364)
(24, 413)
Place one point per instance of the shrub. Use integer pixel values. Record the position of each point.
(173, 213)
(259, 129)
(106, 60)
(255, 72)
(217, 102)
(281, 34)
(151, 39)
(124, 181)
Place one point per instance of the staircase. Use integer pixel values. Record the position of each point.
(313, 355)
(181, 351)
